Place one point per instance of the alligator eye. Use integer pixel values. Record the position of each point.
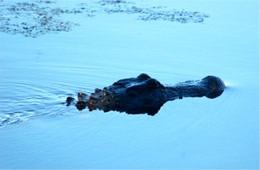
(143, 76)
(152, 84)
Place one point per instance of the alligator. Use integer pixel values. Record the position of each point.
(144, 94)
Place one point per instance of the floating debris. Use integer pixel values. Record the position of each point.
(40, 17)
(31, 20)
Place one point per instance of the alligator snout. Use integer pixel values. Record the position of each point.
(214, 85)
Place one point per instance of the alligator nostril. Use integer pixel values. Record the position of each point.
(215, 85)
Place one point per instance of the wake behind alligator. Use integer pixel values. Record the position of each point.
(144, 94)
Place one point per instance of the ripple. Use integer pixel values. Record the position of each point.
(26, 102)
(26, 97)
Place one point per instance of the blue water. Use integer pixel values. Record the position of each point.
(37, 74)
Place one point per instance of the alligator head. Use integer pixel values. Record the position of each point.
(144, 94)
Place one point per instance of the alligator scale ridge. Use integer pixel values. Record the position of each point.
(144, 94)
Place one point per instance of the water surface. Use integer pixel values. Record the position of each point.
(37, 74)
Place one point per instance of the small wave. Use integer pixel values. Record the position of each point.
(27, 102)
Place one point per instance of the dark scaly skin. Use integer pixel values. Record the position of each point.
(144, 94)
